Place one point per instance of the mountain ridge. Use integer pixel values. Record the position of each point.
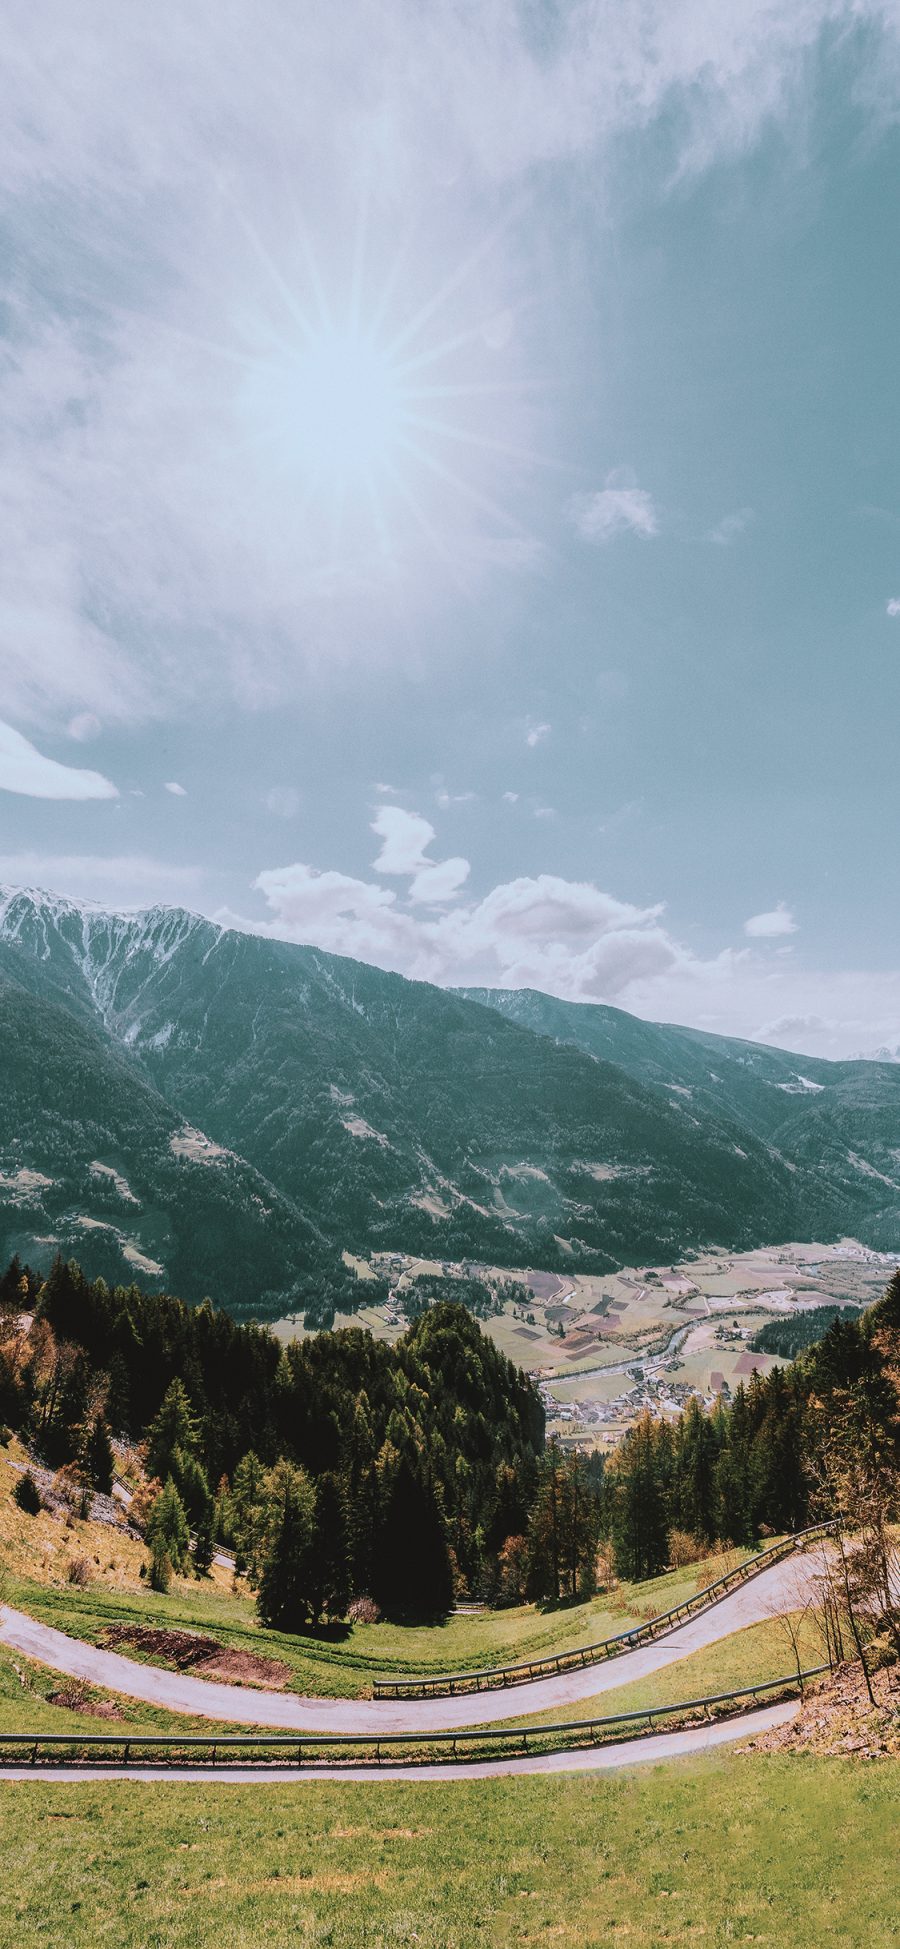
(350, 1110)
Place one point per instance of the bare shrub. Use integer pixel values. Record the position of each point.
(363, 1610)
(684, 1548)
(79, 1572)
(720, 1563)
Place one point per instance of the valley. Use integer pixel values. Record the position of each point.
(605, 1348)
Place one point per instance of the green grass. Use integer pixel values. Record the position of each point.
(753, 1656)
(346, 1668)
(776, 1851)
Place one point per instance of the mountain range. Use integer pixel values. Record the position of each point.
(221, 1113)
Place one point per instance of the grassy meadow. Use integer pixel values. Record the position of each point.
(781, 1852)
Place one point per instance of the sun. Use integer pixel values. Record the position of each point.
(376, 420)
(343, 408)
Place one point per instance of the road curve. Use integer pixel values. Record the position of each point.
(591, 1759)
(782, 1588)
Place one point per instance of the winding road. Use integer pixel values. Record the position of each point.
(592, 1759)
(783, 1587)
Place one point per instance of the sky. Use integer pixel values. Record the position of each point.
(450, 489)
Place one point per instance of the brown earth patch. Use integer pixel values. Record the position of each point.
(836, 1719)
(203, 1657)
(322, 1884)
(75, 1698)
(381, 1833)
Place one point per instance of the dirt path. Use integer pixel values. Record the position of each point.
(597, 1759)
(782, 1588)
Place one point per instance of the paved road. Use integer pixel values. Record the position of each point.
(599, 1759)
(781, 1588)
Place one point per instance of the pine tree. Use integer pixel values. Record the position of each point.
(330, 1552)
(167, 1527)
(99, 1461)
(174, 1428)
(284, 1600)
(637, 1503)
(412, 1572)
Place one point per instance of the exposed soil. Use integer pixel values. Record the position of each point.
(837, 1719)
(73, 1699)
(204, 1657)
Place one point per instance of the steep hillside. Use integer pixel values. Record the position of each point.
(94, 1163)
(261, 1098)
(836, 1123)
(389, 1111)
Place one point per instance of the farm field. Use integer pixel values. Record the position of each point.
(730, 1848)
(604, 1347)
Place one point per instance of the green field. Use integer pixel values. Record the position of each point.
(782, 1852)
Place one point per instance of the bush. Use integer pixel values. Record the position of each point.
(79, 1572)
(684, 1548)
(363, 1610)
(27, 1494)
(5, 1435)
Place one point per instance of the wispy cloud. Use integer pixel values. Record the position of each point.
(893, 606)
(536, 734)
(134, 504)
(730, 527)
(177, 791)
(24, 769)
(613, 511)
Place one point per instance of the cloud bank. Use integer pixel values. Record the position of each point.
(24, 769)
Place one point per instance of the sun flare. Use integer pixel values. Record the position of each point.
(343, 408)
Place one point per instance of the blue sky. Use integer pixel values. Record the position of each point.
(450, 490)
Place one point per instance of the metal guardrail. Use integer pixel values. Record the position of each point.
(298, 1750)
(495, 1678)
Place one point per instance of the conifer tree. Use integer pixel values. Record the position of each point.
(167, 1527)
(99, 1461)
(284, 1600)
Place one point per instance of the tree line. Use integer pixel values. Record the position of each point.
(342, 1471)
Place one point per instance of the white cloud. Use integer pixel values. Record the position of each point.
(613, 511)
(443, 798)
(434, 884)
(511, 798)
(283, 801)
(405, 836)
(24, 769)
(536, 734)
(83, 727)
(727, 530)
(177, 791)
(545, 812)
(893, 607)
(565, 936)
(766, 926)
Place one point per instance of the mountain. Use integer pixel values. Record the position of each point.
(836, 1125)
(95, 1163)
(240, 1111)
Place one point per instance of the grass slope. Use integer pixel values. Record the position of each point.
(720, 1851)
